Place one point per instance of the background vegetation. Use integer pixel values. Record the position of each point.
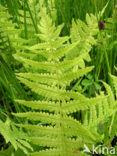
(18, 25)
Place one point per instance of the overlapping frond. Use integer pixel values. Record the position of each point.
(112, 103)
(10, 32)
(17, 139)
(83, 33)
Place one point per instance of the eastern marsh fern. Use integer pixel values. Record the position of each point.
(57, 130)
(51, 124)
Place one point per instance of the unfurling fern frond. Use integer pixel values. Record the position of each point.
(51, 124)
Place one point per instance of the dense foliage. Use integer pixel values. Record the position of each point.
(58, 77)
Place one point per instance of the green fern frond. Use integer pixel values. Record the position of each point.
(40, 105)
(62, 80)
(55, 152)
(102, 111)
(112, 103)
(111, 98)
(99, 113)
(11, 30)
(51, 92)
(50, 121)
(14, 136)
(84, 34)
(114, 78)
(53, 66)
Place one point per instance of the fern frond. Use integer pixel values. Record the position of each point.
(54, 53)
(112, 102)
(84, 34)
(39, 130)
(71, 107)
(51, 92)
(12, 135)
(56, 152)
(40, 105)
(52, 66)
(99, 112)
(11, 30)
(57, 129)
(111, 98)
(102, 111)
(58, 79)
(114, 78)
(35, 116)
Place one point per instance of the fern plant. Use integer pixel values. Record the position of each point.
(9, 86)
(102, 117)
(11, 134)
(113, 102)
(62, 121)
(84, 34)
(50, 122)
